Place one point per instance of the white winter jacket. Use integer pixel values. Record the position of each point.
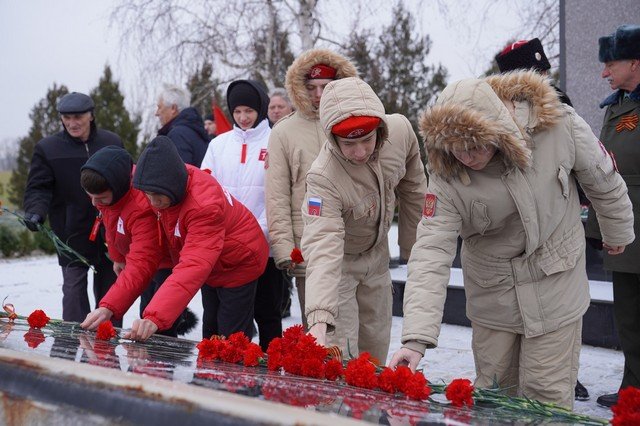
(242, 177)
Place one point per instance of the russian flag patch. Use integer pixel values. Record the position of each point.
(315, 206)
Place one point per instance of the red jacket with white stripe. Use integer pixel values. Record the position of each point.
(213, 239)
(132, 238)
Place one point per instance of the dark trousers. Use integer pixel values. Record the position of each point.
(626, 308)
(267, 310)
(150, 291)
(75, 299)
(228, 310)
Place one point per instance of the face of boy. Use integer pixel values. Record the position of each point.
(158, 201)
(102, 199)
(245, 117)
(315, 88)
(358, 150)
(475, 158)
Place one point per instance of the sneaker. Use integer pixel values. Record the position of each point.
(608, 400)
(582, 394)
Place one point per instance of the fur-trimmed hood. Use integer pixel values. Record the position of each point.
(296, 79)
(471, 113)
(348, 97)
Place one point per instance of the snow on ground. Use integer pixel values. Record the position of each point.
(36, 283)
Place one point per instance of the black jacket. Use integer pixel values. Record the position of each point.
(53, 188)
(188, 134)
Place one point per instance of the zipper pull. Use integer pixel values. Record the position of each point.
(159, 230)
(96, 227)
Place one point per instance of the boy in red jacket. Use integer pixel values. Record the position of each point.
(131, 236)
(212, 238)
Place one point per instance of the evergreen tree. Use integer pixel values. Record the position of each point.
(395, 67)
(111, 114)
(45, 121)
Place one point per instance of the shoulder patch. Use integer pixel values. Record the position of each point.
(314, 205)
(429, 208)
(120, 226)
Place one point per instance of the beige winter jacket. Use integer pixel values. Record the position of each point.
(294, 143)
(523, 250)
(358, 201)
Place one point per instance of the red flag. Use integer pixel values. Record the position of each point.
(222, 123)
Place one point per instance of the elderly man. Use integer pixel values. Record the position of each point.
(279, 105)
(182, 124)
(53, 188)
(620, 135)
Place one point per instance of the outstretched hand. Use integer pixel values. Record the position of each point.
(406, 356)
(319, 331)
(141, 330)
(95, 318)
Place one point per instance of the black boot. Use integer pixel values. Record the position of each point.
(608, 400)
(582, 394)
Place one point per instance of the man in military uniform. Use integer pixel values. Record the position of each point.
(620, 53)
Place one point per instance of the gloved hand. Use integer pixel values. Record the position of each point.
(31, 220)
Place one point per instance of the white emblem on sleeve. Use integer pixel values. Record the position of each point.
(120, 226)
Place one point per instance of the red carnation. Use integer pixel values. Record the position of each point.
(417, 387)
(361, 372)
(627, 411)
(386, 380)
(38, 319)
(252, 355)
(34, 338)
(402, 377)
(106, 331)
(209, 349)
(460, 392)
(296, 256)
(334, 370)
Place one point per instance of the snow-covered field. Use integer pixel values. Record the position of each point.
(36, 283)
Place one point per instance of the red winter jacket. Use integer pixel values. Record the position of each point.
(213, 239)
(132, 237)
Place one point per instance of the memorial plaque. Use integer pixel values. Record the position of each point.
(176, 360)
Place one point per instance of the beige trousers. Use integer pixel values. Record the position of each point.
(544, 368)
(363, 323)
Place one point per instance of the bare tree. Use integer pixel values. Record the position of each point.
(175, 37)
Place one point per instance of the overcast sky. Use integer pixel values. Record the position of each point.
(69, 42)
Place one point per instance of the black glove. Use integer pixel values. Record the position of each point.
(31, 221)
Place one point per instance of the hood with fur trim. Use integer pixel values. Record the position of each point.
(349, 97)
(296, 79)
(471, 114)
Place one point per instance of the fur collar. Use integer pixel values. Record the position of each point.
(296, 79)
(615, 96)
(470, 114)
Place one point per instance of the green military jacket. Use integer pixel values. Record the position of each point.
(620, 136)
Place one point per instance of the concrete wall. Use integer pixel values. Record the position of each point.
(582, 22)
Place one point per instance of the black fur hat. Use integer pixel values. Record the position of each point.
(523, 55)
(622, 44)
